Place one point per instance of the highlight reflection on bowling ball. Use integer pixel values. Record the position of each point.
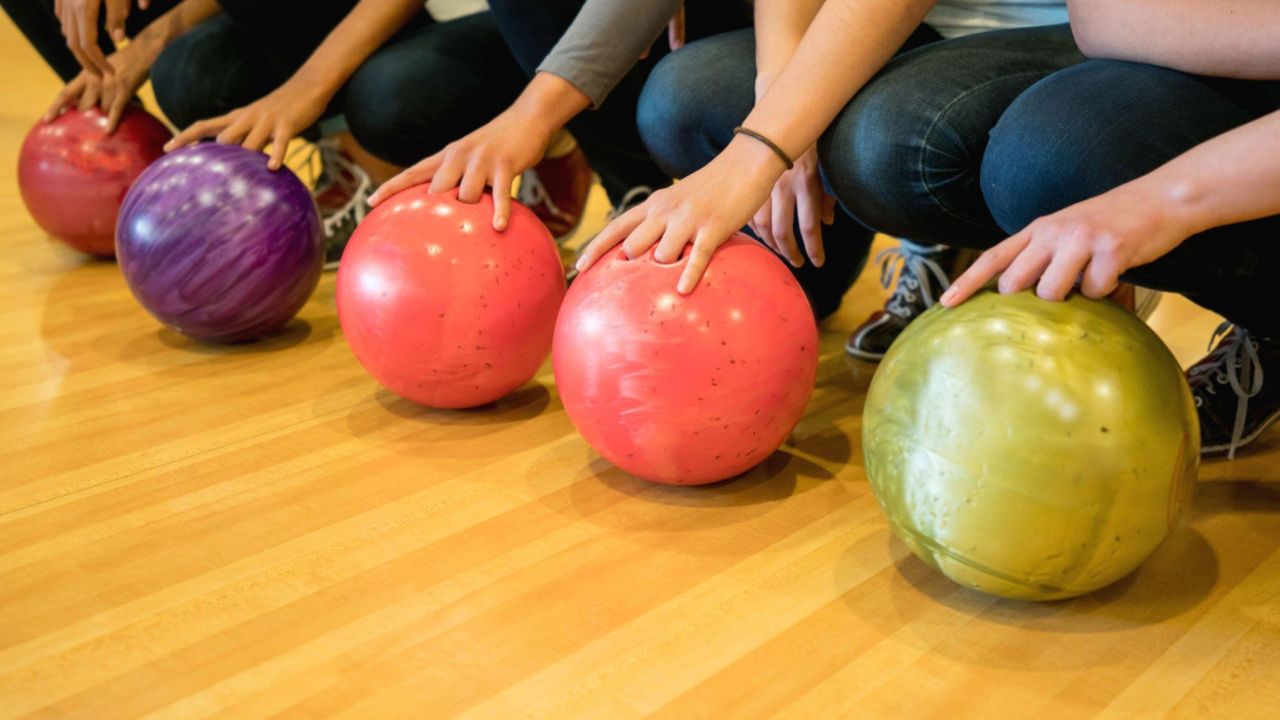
(1031, 449)
(218, 247)
(686, 389)
(441, 308)
(73, 175)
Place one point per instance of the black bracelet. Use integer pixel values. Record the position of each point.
(772, 145)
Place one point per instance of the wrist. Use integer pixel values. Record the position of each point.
(757, 160)
(547, 104)
(763, 80)
(1182, 202)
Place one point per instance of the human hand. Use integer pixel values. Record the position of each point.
(80, 28)
(112, 93)
(701, 210)
(275, 119)
(492, 156)
(798, 192)
(1099, 238)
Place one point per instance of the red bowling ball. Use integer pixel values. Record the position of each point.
(442, 309)
(686, 389)
(73, 175)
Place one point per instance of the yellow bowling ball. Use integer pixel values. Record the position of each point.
(1030, 449)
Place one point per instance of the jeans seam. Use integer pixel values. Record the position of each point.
(938, 119)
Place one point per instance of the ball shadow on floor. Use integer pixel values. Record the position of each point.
(164, 352)
(1177, 577)
(406, 428)
(605, 496)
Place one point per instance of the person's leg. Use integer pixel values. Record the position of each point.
(430, 86)
(212, 69)
(607, 134)
(686, 115)
(1093, 127)
(36, 20)
(904, 156)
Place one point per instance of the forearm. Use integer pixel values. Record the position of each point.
(549, 102)
(1223, 38)
(168, 27)
(779, 26)
(1232, 178)
(370, 24)
(605, 40)
(848, 42)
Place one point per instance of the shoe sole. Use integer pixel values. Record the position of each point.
(854, 352)
(1244, 441)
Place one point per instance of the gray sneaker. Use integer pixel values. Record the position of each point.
(341, 193)
(634, 197)
(923, 273)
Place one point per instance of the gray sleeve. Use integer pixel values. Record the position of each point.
(605, 40)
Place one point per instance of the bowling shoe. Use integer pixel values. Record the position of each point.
(634, 197)
(923, 273)
(1234, 405)
(342, 195)
(556, 190)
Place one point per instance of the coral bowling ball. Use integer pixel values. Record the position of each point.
(686, 389)
(1030, 449)
(442, 309)
(73, 175)
(218, 247)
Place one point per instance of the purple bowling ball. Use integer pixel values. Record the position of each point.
(217, 246)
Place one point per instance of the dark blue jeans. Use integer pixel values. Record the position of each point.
(608, 134)
(692, 102)
(1085, 130)
(430, 84)
(966, 141)
(36, 20)
(904, 155)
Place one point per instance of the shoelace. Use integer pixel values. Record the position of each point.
(634, 197)
(336, 169)
(1235, 363)
(352, 179)
(533, 192)
(915, 272)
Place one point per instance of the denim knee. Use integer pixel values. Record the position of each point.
(694, 98)
(1085, 130)
(377, 113)
(868, 162)
(204, 73)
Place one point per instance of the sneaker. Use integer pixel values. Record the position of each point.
(634, 197)
(556, 190)
(923, 273)
(1233, 405)
(341, 193)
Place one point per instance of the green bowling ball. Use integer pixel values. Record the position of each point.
(1030, 449)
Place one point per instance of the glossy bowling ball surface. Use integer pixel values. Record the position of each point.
(73, 176)
(1031, 449)
(442, 309)
(686, 389)
(218, 247)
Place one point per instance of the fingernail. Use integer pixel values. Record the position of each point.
(948, 296)
(118, 34)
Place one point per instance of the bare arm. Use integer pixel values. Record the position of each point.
(1229, 179)
(780, 25)
(1222, 38)
(1232, 178)
(370, 24)
(848, 42)
(301, 100)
